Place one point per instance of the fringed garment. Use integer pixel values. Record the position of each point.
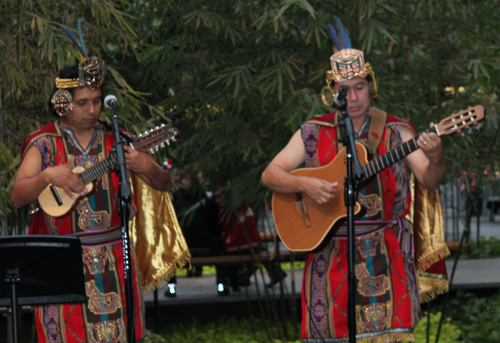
(387, 298)
(94, 219)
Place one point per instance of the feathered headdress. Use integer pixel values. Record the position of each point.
(90, 74)
(347, 63)
(342, 40)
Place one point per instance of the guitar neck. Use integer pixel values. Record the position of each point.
(143, 143)
(378, 164)
(93, 173)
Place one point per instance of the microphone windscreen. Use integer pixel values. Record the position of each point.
(110, 101)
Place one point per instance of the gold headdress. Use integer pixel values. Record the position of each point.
(347, 63)
(90, 74)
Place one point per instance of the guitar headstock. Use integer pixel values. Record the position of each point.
(461, 120)
(155, 138)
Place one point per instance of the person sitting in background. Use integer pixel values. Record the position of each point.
(198, 216)
(241, 236)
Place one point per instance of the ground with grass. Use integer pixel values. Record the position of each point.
(257, 331)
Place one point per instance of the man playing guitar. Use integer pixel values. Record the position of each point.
(78, 138)
(387, 298)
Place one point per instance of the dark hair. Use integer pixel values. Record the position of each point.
(69, 72)
(368, 78)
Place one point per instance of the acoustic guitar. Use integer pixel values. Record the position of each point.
(303, 224)
(55, 202)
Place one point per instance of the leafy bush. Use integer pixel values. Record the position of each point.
(224, 331)
(478, 318)
(210, 270)
(449, 331)
(488, 248)
(254, 331)
(152, 337)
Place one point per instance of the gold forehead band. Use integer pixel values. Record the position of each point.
(369, 71)
(67, 83)
(348, 64)
(90, 74)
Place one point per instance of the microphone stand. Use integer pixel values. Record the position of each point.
(350, 196)
(124, 197)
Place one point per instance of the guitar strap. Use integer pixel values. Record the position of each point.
(377, 126)
(376, 130)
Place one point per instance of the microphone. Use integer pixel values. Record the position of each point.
(110, 101)
(337, 100)
(340, 98)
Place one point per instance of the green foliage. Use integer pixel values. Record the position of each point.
(224, 331)
(298, 265)
(477, 318)
(449, 331)
(32, 50)
(151, 337)
(245, 75)
(489, 248)
(210, 270)
(207, 270)
(246, 330)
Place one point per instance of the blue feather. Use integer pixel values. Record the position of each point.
(73, 38)
(81, 38)
(344, 35)
(334, 37)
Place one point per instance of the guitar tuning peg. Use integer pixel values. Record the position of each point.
(168, 141)
(157, 148)
(478, 126)
(151, 151)
(173, 139)
(461, 134)
(162, 124)
(162, 145)
(157, 128)
(140, 135)
(470, 130)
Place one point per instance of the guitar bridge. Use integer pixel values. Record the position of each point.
(301, 207)
(56, 195)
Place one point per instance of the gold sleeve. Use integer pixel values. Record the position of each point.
(157, 238)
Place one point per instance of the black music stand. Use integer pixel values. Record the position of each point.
(39, 270)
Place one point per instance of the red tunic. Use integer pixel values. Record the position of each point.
(95, 221)
(387, 301)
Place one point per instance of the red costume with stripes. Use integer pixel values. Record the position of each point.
(387, 299)
(95, 221)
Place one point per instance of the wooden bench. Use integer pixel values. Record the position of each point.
(453, 246)
(285, 256)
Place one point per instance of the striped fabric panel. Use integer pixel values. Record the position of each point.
(99, 238)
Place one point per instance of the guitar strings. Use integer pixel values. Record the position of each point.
(307, 199)
(63, 194)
